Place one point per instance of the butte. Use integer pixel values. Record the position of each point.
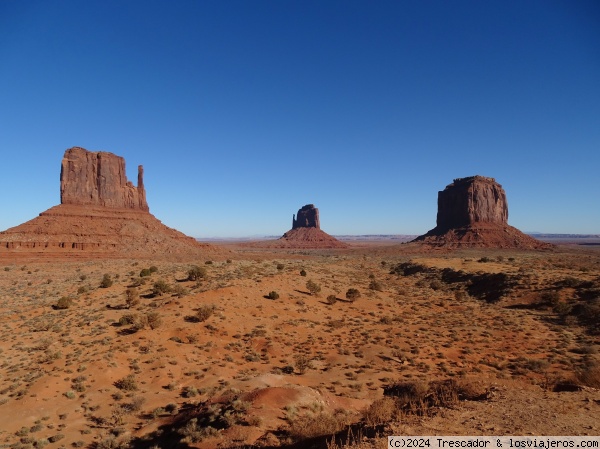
(101, 214)
(306, 232)
(473, 213)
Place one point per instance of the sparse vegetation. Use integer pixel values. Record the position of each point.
(195, 273)
(106, 281)
(64, 303)
(132, 297)
(313, 287)
(352, 294)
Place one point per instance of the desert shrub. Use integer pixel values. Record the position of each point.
(205, 312)
(590, 375)
(310, 425)
(195, 273)
(408, 269)
(571, 281)
(352, 294)
(273, 295)
(208, 262)
(127, 383)
(106, 281)
(189, 392)
(145, 272)
(128, 318)
(154, 320)
(420, 398)
(331, 299)
(485, 259)
(160, 287)
(303, 272)
(132, 297)
(63, 303)
(380, 412)
(302, 363)
(280, 266)
(153, 269)
(376, 285)
(313, 287)
(180, 291)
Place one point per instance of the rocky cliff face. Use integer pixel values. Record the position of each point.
(98, 179)
(308, 217)
(471, 200)
(101, 215)
(473, 212)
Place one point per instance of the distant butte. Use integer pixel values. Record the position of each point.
(306, 232)
(473, 212)
(101, 212)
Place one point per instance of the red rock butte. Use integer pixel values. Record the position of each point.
(473, 212)
(306, 232)
(100, 212)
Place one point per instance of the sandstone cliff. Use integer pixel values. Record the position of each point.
(308, 217)
(473, 212)
(471, 200)
(99, 179)
(101, 215)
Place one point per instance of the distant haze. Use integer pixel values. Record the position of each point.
(242, 112)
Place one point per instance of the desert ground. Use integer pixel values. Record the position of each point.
(268, 348)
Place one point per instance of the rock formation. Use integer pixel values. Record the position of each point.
(308, 217)
(473, 212)
(100, 213)
(471, 200)
(306, 232)
(99, 179)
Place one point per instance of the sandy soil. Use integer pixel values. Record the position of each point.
(215, 362)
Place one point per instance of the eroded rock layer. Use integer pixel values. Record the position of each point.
(308, 217)
(473, 212)
(101, 213)
(99, 179)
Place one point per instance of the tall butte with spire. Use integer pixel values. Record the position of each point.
(473, 212)
(100, 212)
(306, 231)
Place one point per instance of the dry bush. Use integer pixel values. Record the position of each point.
(127, 383)
(376, 285)
(309, 425)
(132, 297)
(380, 412)
(313, 287)
(331, 300)
(154, 320)
(196, 273)
(352, 294)
(63, 303)
(421, 398)
(302, 363)
(590, 375)
(205, 312)
(106, 281)
(160, 287)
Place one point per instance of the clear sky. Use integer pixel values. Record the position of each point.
(243, 111)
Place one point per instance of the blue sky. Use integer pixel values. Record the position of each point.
(243, 111)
